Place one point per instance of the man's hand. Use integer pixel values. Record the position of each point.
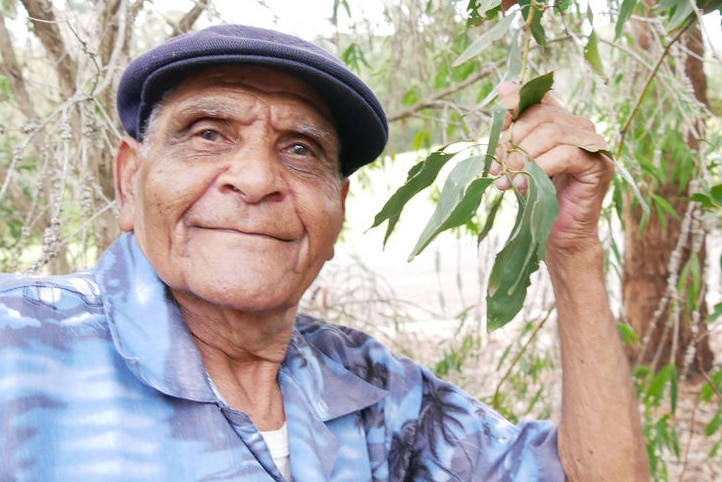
(568, 148)
(600, 434)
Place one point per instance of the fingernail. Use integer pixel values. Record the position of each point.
(506, 88)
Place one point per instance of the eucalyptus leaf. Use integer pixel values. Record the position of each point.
(543, 205)
(490, 217)
(460, 198)
(531, 9)
(625, 13)
(462, 213)
(628, 334)
(716, 313)
(510, 277)
(503, 301)
(716, 193)
(537, 29)
(591, 55)
(520, 257)
(420, 177)
(705, 200)
(514, 60)
(627, 176)
(497, 124)
(514, 64)
(482, 43)
(682, 11)
(485, 5)
(597, 150)
(534, 91)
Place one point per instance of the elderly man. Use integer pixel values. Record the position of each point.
(181, 356)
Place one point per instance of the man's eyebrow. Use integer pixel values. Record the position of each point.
(208, 106)
(324, 133)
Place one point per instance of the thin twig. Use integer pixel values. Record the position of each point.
(647, 85)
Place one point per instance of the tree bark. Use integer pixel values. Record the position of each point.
(670, 323)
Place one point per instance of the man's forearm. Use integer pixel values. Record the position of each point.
(600, 435)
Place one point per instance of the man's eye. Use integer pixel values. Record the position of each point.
(209, 135)
(300, 150)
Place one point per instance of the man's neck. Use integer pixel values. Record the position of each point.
(242, 353)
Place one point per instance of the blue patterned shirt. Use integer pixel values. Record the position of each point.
(100, 380)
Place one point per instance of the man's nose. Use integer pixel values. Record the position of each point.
(254, 174)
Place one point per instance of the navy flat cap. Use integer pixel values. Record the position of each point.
(360, 120)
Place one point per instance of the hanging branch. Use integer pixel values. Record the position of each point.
(652, 75)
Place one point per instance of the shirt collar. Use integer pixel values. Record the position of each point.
(151, 336)
(147, 327)
(329, 388)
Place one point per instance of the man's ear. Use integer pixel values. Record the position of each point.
(127, 163)
(344, 193)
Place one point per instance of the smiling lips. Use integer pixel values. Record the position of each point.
(279, 236)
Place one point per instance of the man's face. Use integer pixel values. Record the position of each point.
(235, 196)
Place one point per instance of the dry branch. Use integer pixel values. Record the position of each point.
(42, 16)
(189, 19)
(12, 70)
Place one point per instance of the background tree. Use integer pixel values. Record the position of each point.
(665, 255)
(60, 69)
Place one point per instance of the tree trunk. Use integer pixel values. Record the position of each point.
(69, 133)
(667, 314)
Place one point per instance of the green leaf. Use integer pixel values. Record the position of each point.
(713, 425)
(514, 64)
(422, 140)
(354, 57)
(625, 13)
(682, 10)
(712, 454)
(411, 97)
(657, 388)
(479, 10)
(534, 91)
(712, 386)
(591, 55)
(627, 176)
(529, 8)
(514, 60)
(716, 193)
(542, 201)
(597, 150)
(519, 258)
(628, 334)
(490, 218)
(336, 5)
(482, 43)
(497, 124)
(706, 201)
(420, 177)
(511, 274)
(716, 313)
(665, 206)
(457, 203)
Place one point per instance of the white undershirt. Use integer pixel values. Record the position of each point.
(277, 441)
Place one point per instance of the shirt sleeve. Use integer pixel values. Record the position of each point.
(457, 437)
(427, 429)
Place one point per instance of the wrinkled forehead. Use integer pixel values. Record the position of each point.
(251, 87)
